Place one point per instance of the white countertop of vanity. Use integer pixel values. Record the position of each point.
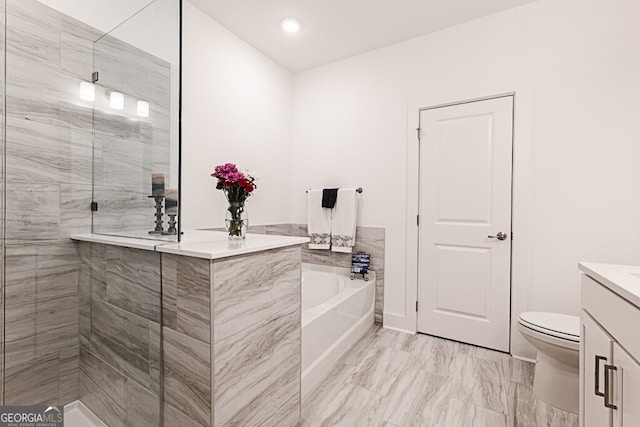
(200, 243)
(624, 280)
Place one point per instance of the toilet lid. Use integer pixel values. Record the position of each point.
(555, 324)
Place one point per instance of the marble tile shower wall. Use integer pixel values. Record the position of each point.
(120, 349)
(368, 239)
(48, 188)
(2, 191)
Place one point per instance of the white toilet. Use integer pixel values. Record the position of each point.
(557, 339)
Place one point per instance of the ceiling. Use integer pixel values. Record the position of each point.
(336, 29)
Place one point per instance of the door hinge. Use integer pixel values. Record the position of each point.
(94, 77)
(418, 130)
(416, 305)
(512, 235)
(418, 220)
(94, 206)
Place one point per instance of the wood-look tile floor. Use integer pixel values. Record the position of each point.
(394, 379)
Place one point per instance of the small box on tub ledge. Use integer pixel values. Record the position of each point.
(360, 263)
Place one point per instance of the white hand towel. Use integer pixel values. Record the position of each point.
(318, 221)
(343, 221)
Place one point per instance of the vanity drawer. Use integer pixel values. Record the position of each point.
(618, 316)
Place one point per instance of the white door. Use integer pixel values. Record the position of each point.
(464, 285)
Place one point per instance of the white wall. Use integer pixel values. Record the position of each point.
(575, 68)
(236, 108)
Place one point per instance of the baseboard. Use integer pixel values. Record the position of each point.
(526, 359)
(399, 323)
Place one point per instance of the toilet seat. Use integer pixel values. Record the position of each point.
(556, 325)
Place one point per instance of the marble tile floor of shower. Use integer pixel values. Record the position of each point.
(78, 415)
(394, 379)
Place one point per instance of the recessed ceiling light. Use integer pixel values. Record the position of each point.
(291, 25)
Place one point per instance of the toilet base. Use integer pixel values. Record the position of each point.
(556, 383)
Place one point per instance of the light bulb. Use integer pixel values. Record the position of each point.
(143, 109)
(87, 91)
(117, 100)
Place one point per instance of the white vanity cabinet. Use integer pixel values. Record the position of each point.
(627, 390)
(610, 346)
(595, 352)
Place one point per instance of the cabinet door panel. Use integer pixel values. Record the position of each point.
(626, 386)
(594, 342)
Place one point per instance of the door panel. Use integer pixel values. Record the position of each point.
(627, 389)
(595, 353)
(465, 196)
(469, 177)
(452, 281)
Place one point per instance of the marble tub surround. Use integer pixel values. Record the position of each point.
(232, 336)
(370, 240)
(120, 358)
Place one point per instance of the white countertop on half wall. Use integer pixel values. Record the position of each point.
(199, 243)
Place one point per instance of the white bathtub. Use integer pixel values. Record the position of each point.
(336, 312)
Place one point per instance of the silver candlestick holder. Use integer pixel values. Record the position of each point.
(159, 228)
(172, 225)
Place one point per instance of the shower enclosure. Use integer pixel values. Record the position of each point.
(135, 126)
(90, 111)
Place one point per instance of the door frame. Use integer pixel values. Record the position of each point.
(522, 202)
(420, 169)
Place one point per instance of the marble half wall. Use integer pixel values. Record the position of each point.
(232, 339)
(370, 240)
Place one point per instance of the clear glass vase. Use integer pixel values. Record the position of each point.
(236, 221)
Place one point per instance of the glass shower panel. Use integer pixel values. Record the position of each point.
(135, 122)
(2, 192)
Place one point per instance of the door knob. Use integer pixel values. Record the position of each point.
(499, 236)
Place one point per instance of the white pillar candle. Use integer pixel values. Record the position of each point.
(157, 184)
(171, 202)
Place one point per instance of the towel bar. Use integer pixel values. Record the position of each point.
(358, 190)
